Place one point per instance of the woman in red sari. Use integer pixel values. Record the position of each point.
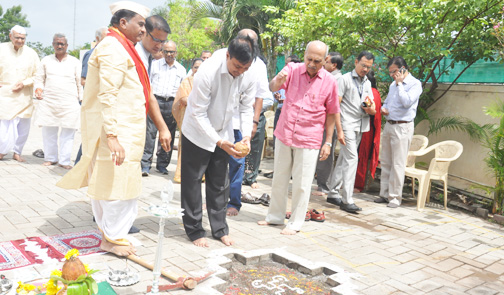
(369, 148)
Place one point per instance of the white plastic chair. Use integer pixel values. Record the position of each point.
(270, 122)
(418, 142)
(444, 153)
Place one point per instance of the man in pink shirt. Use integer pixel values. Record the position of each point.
(311, 103)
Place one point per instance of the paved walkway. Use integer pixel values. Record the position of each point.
(389, 251)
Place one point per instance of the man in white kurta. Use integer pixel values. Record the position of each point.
(18, 65)
(113, 128)
(58, 87)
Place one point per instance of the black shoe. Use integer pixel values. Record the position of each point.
(134, 230)
(163, 171)
(145, 173)
(351, 208)
(268, 175)
(381, 200)
(38, 153)
(334, 201)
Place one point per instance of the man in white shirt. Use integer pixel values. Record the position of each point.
(220, 85)
(157, 31)
(18, 65)
(166, 76)
(399, 108)
(58, 87)
(237, 165)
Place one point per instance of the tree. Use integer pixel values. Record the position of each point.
(190, 40)
(76, 52)
(234, 15)
(41, 49)
(424, 32)
(9, 19)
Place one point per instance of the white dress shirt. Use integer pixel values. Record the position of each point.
(166, 79)
(259, 72)
(402, 100)
(212, 102)
(144, 56)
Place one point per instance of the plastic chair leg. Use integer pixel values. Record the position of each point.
(445, 183)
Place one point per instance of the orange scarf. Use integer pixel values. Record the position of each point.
(140, 67)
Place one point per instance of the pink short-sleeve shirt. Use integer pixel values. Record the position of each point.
(307, 101)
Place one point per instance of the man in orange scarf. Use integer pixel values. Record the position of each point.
(116, 99)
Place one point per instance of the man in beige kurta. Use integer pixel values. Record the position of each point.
(58, 87)
(18, 65)
(113, 128)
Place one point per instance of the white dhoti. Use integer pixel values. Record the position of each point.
(115, 218)
(13, 134)
(50, 139)
(299, 163)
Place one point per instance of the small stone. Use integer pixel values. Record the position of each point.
(481, 212)
(498, 218)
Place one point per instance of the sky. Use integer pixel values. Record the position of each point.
(48, 17)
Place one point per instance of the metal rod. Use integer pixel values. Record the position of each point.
(158, 260)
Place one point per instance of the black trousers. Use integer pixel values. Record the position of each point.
(197, 162)
(163, 158)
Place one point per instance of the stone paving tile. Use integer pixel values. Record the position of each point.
(401, 287)
(395, 252)
(481, 290)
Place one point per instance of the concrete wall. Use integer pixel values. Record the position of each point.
(466, 100)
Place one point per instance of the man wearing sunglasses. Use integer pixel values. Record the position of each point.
(166, 76)
(157, 31)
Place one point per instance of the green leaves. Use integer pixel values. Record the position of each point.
(423, 32)
(77, 289)
(84, 284)
(193, 25)
(9, 19)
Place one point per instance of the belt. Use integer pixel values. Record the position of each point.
(170, 98)
(397, 122)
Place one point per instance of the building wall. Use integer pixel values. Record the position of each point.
(466, 100)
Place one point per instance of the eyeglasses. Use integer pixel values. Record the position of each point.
(60, 44)
(20, 38)
(169, 52)
(156, 39)
(365, 67)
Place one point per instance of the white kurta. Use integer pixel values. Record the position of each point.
(60, 81)
(16, 66)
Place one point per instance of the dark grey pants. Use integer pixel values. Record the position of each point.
(253, 160)
(163, 158)
(324, 168)
(214, 165)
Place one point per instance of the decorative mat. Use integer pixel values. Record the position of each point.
(87, 242)
(13, 254)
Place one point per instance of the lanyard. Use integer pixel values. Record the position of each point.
(359, 89)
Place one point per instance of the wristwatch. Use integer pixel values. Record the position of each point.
(329, 144)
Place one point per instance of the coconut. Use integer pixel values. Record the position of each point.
(73, 269)
(242, 148)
